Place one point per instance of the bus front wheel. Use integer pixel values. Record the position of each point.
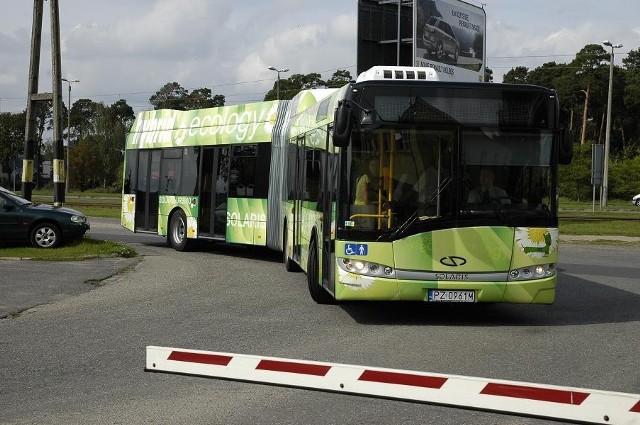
(178, 232)
(318, 293)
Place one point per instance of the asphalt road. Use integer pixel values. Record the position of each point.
(79, 358)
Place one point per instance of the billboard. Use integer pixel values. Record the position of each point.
(449, 36)
(378, 28)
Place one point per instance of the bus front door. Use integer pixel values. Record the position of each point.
(214, 185)
(148, 183)
(328, 190)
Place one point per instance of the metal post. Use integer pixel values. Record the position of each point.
(399, 32)
(273, 68)
(30, 130)
(58, 145)
(68, 174)
(607, 140)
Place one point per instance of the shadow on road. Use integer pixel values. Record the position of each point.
(578, 302)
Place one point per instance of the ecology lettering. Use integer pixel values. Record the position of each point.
(243, 125)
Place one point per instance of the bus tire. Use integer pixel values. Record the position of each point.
(318, 293)
(289, 264)
(178, 231)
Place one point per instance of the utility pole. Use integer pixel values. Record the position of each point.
(33, 97)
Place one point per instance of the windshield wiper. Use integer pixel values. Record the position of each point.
(416, 214)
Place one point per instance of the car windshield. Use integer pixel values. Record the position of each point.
(14, 198)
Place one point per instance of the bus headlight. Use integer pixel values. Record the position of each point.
(532, 272)
(366, 268)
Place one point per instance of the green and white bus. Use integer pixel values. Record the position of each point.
(208, 174)
(394, 187)
(384, 194)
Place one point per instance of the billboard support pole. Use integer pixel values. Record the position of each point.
(399, 33)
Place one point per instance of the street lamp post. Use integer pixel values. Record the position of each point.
(607, 139)
(67, 180)
(272, 68)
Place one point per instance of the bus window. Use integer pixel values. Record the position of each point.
(171, 171)
(312, 176)
(189, 180)
(130, 174)
(242, 174)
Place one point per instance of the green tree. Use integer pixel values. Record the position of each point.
(174, 96)
(294, 84)
(123, 112)
(545, 75)
(101, 130)
(170, 96)
(517, 75)
(488, 75)
(12, 128)
(339, 79)
(83, 113)
(202, 98)
(83, 164)
(631, 123)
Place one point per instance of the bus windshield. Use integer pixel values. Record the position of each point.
(410, 179)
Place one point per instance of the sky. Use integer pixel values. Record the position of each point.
(123, 49)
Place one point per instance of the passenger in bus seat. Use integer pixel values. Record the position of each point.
(366, 194)
(487, 193)
(367, 185)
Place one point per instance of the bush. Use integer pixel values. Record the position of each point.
(574, 180)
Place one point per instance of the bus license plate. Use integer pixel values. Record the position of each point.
(450, 296)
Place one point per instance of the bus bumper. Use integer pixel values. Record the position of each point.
(539, 291)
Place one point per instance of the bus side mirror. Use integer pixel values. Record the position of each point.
(342, 123)
(565, 151)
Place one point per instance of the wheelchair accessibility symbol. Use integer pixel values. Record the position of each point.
(356, 249)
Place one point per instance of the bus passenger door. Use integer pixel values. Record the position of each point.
(297, 200)
(327, 200)
(148, 183)
(214, 184)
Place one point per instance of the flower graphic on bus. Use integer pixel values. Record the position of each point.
(354, 281)
(537, 242)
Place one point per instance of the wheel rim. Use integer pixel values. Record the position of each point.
(179, 230)
(45, 237)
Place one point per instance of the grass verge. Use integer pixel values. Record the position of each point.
(82, 249)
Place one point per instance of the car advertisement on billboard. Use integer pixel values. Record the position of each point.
(449, 36)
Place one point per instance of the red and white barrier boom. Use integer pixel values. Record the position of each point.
(520, 398)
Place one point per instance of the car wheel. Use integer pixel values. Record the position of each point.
(317, 292)
(638, 202)
(178, 231)
(46, 235)
(439, 50)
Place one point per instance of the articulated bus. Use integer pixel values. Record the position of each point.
(394, 187)
(421, 190)
(209, 174)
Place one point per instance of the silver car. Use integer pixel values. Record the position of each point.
(636, 200)
(439, 39)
